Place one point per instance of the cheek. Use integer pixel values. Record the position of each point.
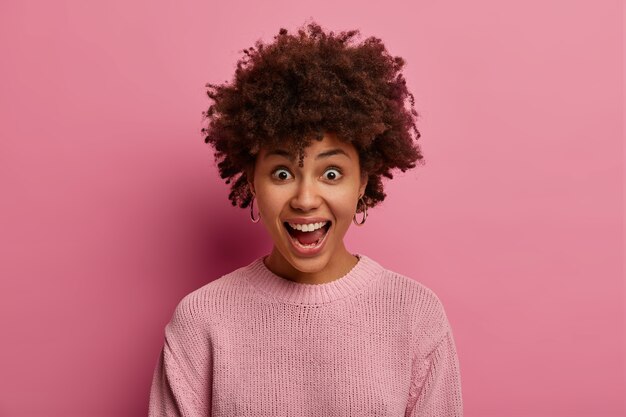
(343, 208)
(269, 202)
(269, 212)
(266, 208)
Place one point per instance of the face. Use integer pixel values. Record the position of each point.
(307, 210)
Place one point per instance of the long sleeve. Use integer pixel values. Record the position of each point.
(181, 385)
(252, 343)
(436, 384)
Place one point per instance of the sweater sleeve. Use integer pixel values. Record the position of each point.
(436, 383)
(181, 384)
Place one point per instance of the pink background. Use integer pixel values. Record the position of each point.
(112, 209)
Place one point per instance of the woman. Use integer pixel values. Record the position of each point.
(305, 132)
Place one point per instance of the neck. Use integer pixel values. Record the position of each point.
(338, 266)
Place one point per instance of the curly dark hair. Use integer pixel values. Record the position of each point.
(287, 93)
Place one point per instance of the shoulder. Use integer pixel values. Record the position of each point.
(208, 302)
(415, 294)
(421, 305)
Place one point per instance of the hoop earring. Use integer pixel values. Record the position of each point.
(364, 213)
(252, 212)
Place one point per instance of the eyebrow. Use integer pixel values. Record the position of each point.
(290, 156)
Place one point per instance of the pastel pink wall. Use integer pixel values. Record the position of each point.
(112, 209)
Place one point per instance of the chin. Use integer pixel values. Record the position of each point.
(308, 265)
(302, 264)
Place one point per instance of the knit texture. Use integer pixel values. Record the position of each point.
(251, 343)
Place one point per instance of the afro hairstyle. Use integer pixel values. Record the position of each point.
(301, 86)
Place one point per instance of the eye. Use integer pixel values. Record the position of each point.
(332, 174)
(281, 174)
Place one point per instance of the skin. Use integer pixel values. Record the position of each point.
(284, 190)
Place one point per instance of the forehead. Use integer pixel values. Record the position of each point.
(329, 145)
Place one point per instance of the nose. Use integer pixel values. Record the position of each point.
(306, 196)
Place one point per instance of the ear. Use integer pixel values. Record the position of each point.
(250, 178)
(364, 179)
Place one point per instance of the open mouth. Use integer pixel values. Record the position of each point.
(308, 236)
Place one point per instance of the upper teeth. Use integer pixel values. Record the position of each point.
(307, 227)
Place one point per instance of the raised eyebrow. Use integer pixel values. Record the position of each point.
(279, 152)
(290, 156)
(331, 152)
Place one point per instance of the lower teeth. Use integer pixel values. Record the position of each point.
(312, 245)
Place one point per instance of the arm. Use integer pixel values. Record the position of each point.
(436, 384)
(181, 384)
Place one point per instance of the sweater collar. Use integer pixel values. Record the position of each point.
(292, 292)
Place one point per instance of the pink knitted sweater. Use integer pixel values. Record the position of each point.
(371, 343)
